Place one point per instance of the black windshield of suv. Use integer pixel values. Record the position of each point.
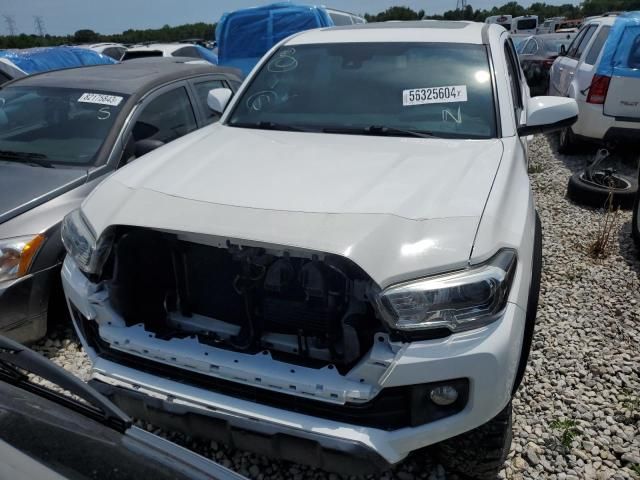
(440, 89)
(529, 24)
(56, 125)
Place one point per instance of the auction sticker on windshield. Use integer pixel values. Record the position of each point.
(425, 96)
(100, 99)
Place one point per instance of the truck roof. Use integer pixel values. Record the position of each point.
(414, 31)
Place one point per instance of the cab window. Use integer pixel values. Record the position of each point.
(580, 44)
(514, 81)
(202, 92)
(186, 52)
(598, 43)
(531, 48)
(166, 117)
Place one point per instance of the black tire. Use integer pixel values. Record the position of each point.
(588, 193)
(480, 453)
(532, 305)
(635, 225)
(567, 143)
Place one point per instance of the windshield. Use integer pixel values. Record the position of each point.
(529, 24)
(435, 88)
(59, 125)
(553, 46)
(518, 42)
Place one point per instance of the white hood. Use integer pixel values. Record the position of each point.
(412, 178)
(400, 208)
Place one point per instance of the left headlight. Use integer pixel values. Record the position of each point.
(459, 301)
(81, 244)
(17, 254)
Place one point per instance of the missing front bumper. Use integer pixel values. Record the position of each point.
(319, 451)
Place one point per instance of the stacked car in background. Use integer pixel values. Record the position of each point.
(19, 63)
(194, 51)
(601, 71)
(61, 133)
(537, 54)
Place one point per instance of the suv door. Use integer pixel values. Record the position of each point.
(557, 74)
(572, 59)
(587, 66)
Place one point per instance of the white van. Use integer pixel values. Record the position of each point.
(502, 20)
(527, 24)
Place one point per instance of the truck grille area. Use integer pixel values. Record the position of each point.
(316, 309)
(393, 408)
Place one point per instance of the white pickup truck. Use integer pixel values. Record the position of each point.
(344, 269)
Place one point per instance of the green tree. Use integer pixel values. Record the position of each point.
(85, 36)
(395, 13)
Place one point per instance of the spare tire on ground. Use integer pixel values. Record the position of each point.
(595, 192)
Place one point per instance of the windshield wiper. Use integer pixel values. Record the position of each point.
(38, 159)
(380, 130)
(272, 126)
(15, 357)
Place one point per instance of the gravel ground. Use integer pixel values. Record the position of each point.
(577, 414)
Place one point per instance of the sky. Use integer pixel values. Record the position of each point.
(63, 17)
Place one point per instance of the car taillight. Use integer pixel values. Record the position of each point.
(546, 63)
(598, 89)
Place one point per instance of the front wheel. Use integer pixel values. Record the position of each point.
(567, 143)
(635, 222)
(480, 453)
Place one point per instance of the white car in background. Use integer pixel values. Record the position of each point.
(345, 269)
(170, 50)
(600, 70)
(113, 50)
(341, 18)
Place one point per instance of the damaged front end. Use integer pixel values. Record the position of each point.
(279, 318)
(305, 308)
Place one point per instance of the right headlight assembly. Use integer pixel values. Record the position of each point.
(460, 300)
(81, 244)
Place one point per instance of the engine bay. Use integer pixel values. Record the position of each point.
(305, 308)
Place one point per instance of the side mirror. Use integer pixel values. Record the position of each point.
(146, 145)
(218, 98)
(563, 50)
(547, 114)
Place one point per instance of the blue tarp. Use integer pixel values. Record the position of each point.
(621, 55)
(207, 54)
(35, 60)
(244, 36)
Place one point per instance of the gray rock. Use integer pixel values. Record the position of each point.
(532, 456)
(254, 470)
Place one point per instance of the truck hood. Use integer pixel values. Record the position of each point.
(23, 187)
(412, 178)
(400, 208)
